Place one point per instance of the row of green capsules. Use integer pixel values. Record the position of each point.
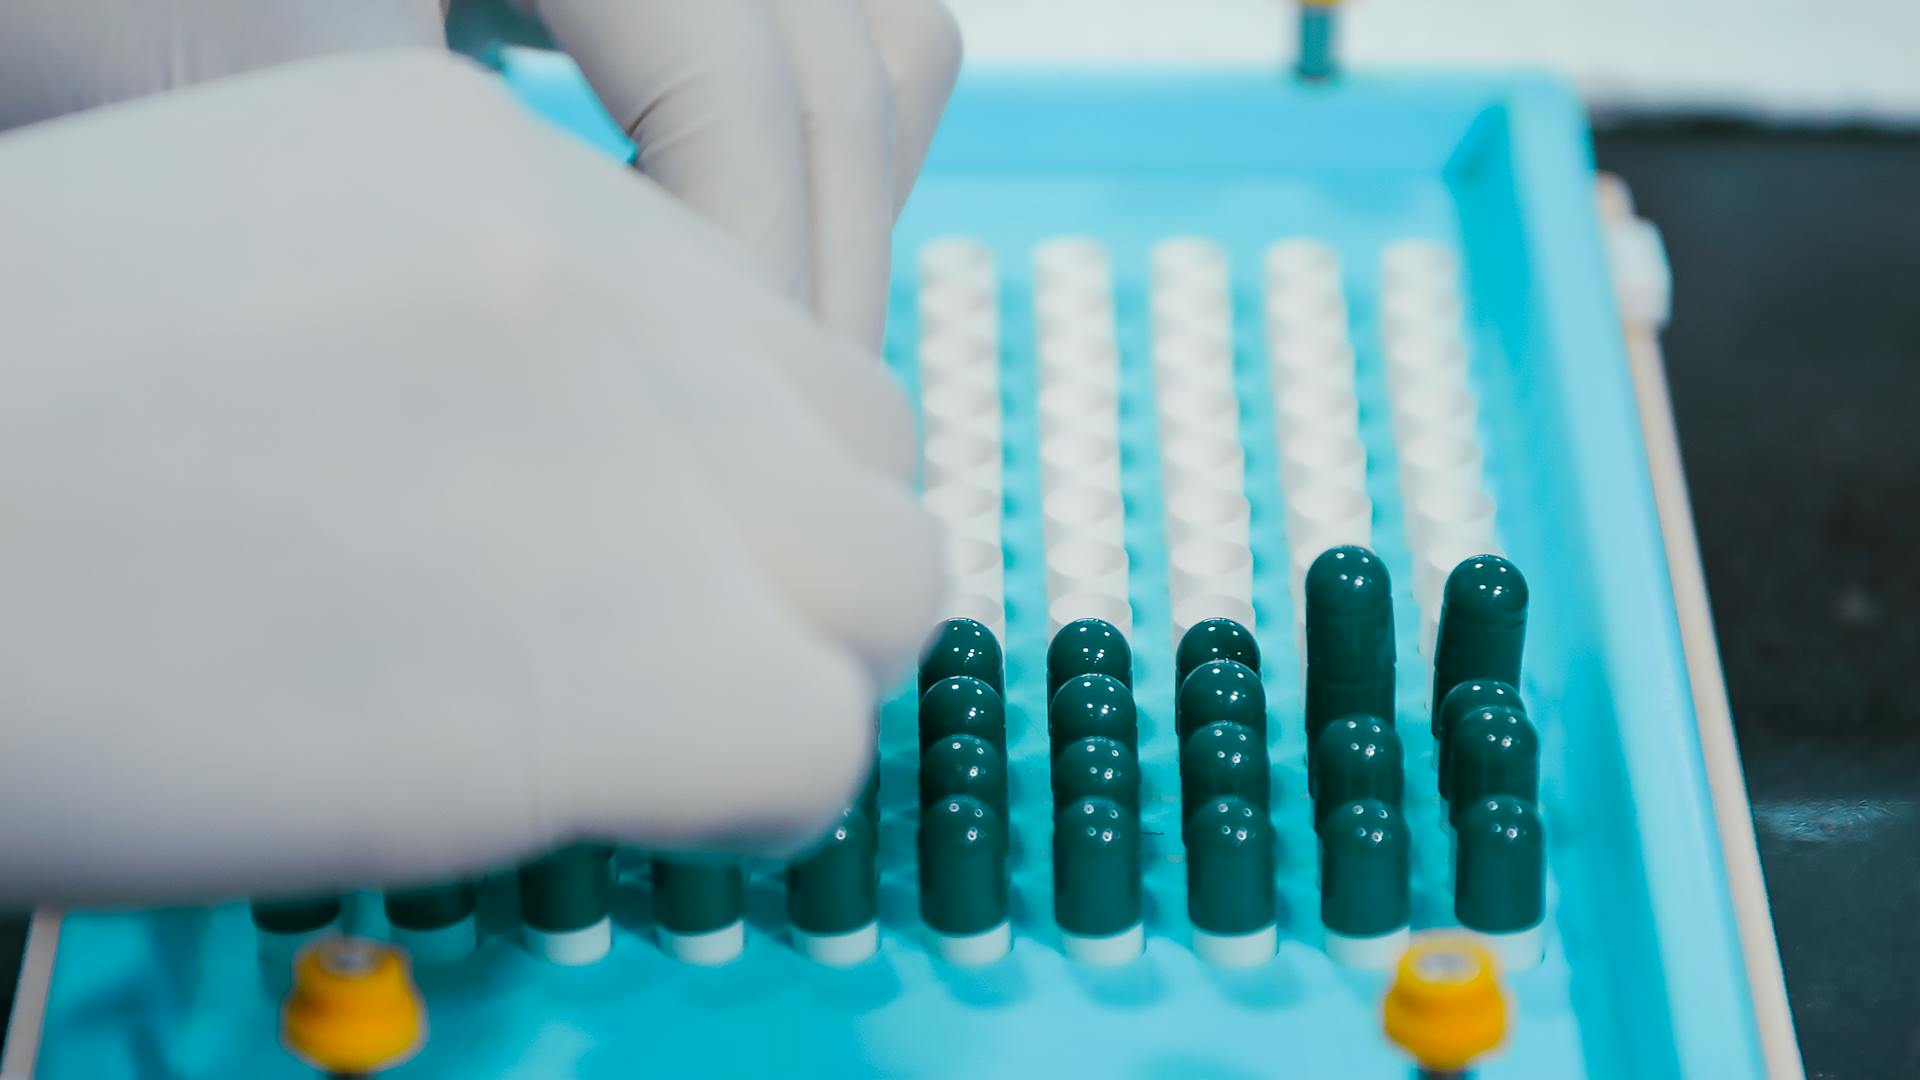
(1486, 750)
(565, 898)
(964, 832)
(1093, 736)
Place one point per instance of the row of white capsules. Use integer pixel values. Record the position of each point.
(1448, 512)
(1203, 468)
(960, 405)
(1323, 463)
(1079, 393)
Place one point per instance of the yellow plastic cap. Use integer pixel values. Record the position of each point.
(1446, 1007)
(353, 1008)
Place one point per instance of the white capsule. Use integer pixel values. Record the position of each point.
(962, 406)
(1086, 566)
(1458, 516)
(1189, 611)
(1079, 459)
(1319, 518)
(1437, 461)
(1211, 567)
(948, 257)
(1301, 259)
(1208, 514)
(1193, 406)
(1314, 406)
(963, 456)
(1071, 403)
(1088, 358)
(1419, 265)
(1322, 457)
(1423, 359)
(1435, 406)
(964, 510)
(1315, 358)
(1109, 607)
(1202, 460)
(1084, 513)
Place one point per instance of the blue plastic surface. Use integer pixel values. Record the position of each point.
(1643, 977)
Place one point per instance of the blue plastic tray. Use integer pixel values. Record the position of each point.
(1643, 977)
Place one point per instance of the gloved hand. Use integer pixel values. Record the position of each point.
(797, 126)
(394, 487)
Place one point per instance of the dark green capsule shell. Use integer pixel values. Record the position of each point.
(1093, 705)
(1365, 869)
(430, 907)
(1220, 760)
(1349, 617)
(1214, 639)
(1492, 751)
(1088, 647)
(567, 889)
(1356, 757)
(1464, 698)
(834, 889)
(1221, 691)
(1096, 867)
(1328, 699)
(295, 915)
(963, 705)
(1483, 626)
(697, 896)
(1097, 768)
(963, 647)
(963, 866)
(1230, 864)
(964, 765)
(1500, 879)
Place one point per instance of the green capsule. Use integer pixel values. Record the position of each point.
(567, 889)
(869, 801)
(697, 896)
(1230, 888)
(1461, 700)
(962, 647)
(1365, 867)
(1494, 751)
(1349, 614)
(1221, 691)
(1089, 705)
(1220, 760)
(1500, 881)
(298, 915)
(1355, 757)
(1097, 768)
(1088, 647)
(1096, 868)
(962, 705)
(1214, 639)
(963, 866)
(430, 907)
(835, 888)
(964, 765)
(1349, 631)
(1483, 626)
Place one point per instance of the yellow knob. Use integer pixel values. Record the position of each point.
(1446, 1007)
(353, 1008)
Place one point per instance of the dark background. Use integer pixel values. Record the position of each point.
(1794, 359)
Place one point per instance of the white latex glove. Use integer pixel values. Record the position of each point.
(797, 126)
(394, 487)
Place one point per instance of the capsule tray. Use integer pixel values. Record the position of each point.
(1641, 976)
